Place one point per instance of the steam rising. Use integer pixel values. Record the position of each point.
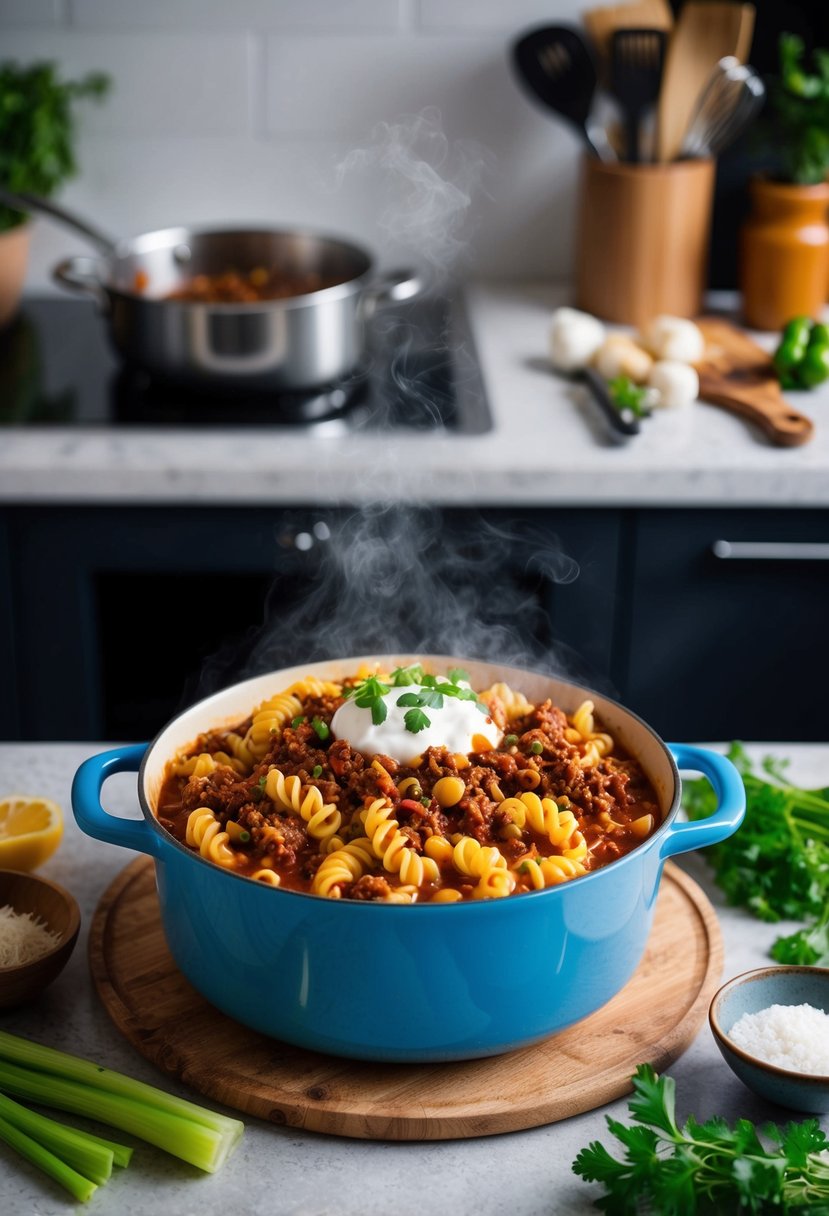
(396, 580)
(427, 186)
(393, 578)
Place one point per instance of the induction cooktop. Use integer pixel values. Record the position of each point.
(420, 373)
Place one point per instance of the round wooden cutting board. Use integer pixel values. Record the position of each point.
(654, 1018)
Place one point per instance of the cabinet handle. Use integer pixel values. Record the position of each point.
(770, 551)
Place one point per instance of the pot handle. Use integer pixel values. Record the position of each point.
(393, 287)
(91, 816)
(82, 273)
(731, 801)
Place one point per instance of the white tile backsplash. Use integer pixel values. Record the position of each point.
(184, 84)
(397, 123)
(493, 14)
(30, 12)
(309, 81)
(321, 15)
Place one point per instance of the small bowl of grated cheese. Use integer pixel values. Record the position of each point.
(772, 1028)
(39, 923)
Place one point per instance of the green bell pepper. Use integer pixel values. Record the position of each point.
(802, 357)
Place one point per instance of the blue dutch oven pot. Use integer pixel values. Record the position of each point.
(407, 983)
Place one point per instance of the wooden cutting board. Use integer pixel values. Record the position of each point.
(738, 374)
(654, 1018)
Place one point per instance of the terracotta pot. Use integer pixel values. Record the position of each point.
(784, 253)
(642, 246)
(14, 257)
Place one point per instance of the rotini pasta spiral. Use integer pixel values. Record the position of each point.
(515, 703)
(204, 833)
(394, 849)
(311, 686)
(268, 719)
(595, 744)
(269, 877)
(241, 751)
(342, 867)
(543, 815)
(204, 764)
(288, 793)
(486, 864)
(550, 871)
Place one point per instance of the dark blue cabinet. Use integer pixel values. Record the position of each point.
(122, 616)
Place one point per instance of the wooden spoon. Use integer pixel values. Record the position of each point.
(739, 375)
(705, 32)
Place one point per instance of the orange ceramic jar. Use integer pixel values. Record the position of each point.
(784, 253)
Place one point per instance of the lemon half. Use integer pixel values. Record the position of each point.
(30, 830)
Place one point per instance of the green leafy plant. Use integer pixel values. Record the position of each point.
(777, 864)
(710, 1167)
(799, 113)
(37, 129)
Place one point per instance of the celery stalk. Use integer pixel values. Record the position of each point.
(77, 1149)
(61, 1064)
(74, 1182)
(192, 1142)
(121, 1153)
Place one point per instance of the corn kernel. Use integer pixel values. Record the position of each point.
(449, 791)
(480, 743)
(642, 826)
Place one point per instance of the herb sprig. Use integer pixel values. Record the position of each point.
(777, 864)
(677, 1171)
(369, 693)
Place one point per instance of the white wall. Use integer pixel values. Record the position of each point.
(268, 110)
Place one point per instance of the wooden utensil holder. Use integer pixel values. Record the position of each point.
(643, 236)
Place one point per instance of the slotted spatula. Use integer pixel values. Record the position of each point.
(636, 59)
(556, 67)
(705, 32)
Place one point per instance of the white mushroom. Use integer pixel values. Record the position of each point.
(676, 383)
(674, 338)
(574, 339)
(619, 355)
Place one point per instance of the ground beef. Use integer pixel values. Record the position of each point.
(370, 886)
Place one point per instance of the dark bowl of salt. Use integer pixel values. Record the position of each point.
(39, 923)
(772, 1028)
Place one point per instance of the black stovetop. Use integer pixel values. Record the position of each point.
(57, 369)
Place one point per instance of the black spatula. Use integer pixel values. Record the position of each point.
(636, 60)
(555, 65)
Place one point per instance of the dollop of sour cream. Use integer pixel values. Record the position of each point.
(452, 726)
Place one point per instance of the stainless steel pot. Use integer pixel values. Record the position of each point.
(295, 343)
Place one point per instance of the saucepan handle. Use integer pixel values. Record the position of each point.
(84, 274)
(731, 801)
(393, 287)
(86, 801)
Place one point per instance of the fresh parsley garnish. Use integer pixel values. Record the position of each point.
(369, 693)
(413, 674)
(415, 720)
(457, 674)
(707, 1166)
(777, 864)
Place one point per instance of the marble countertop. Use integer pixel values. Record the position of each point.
(292, 1172)
(548, 446)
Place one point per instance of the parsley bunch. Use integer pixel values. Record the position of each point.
(369, 693)
(680, 1171)
(777, 864)
(799, 100)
